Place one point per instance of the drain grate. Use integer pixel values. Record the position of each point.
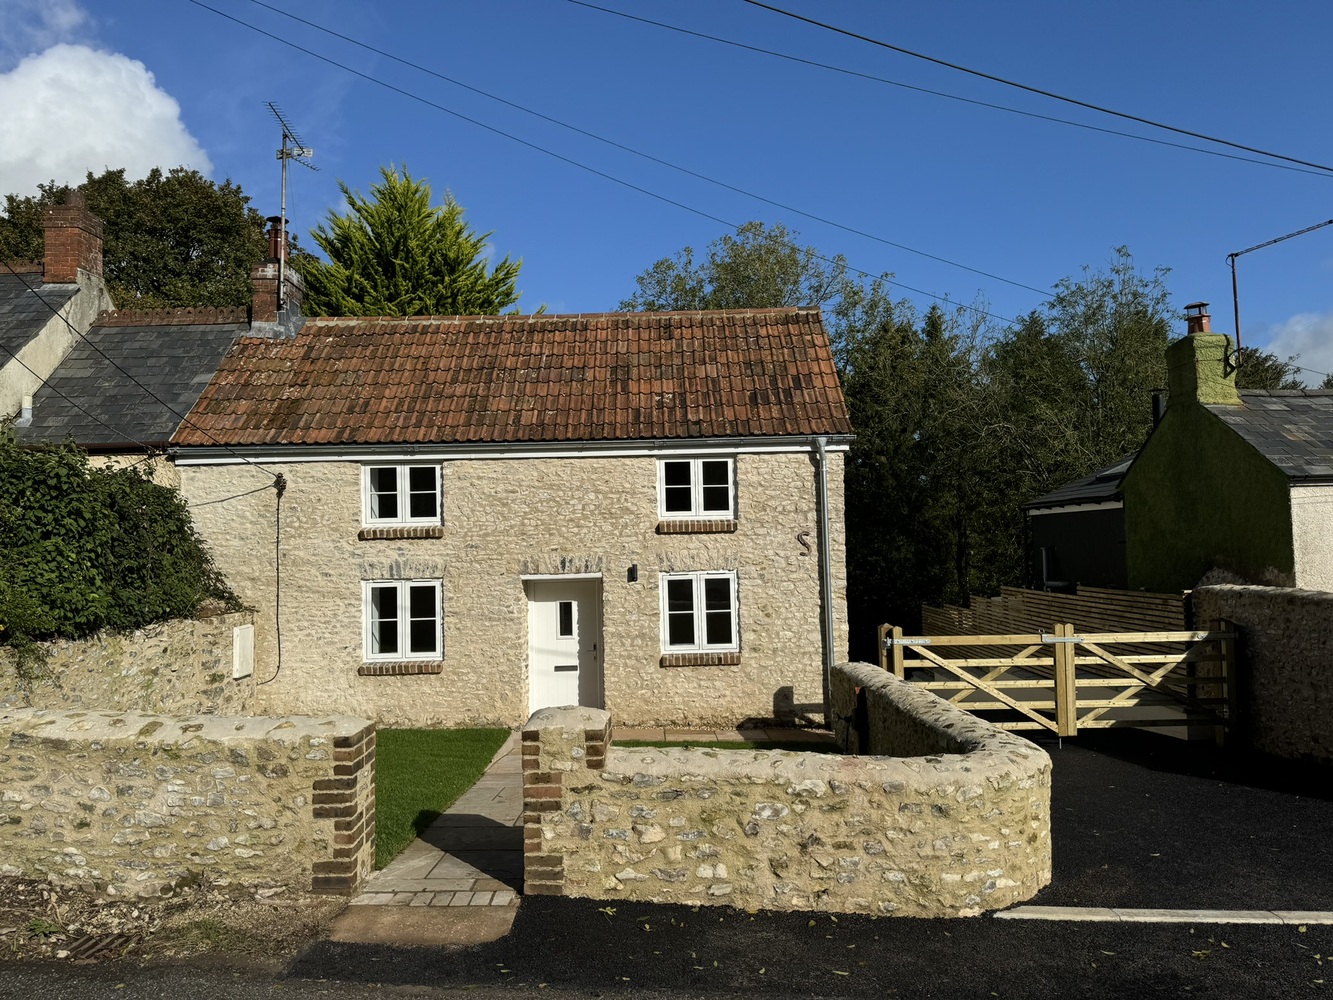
(95, 947)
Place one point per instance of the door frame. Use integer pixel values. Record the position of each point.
(598, 597)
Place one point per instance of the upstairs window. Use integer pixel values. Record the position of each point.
(400, 494)
(699, 612)
(401, 620)
(696, 487)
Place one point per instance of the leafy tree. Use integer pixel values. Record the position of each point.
(393, 254)
(757, 268)
(90, 548)
(1265, 370)
(169, 239)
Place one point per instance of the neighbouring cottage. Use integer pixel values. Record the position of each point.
(462, 520)
(1236, 480)
(45, 307)
(121, 386)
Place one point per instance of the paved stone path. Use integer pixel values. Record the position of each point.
(472, 855)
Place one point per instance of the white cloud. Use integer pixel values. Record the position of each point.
(1311, 336)
(72, 109)
(35, 25)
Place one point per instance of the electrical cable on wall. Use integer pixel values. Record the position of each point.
(280, 487)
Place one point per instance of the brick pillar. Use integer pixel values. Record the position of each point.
(348, 799)
(73, 241)
(559, 746)
(264, 278)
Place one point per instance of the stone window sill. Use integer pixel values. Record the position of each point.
(401, 668)
(701, 659)
(403, 531)
(697, 526)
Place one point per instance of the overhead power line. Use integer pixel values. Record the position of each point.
(649, 156)
(939, 93)
(1034, 90)
(630, 185)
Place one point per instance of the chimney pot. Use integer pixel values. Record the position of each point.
(277, 238)
(1197, 319)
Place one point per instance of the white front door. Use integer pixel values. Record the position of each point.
(564, 643)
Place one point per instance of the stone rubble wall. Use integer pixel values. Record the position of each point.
(506, 519)
(131, 804)
(176, 668)
(944, 834)
(1285, 665)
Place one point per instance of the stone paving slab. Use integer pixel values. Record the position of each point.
(472, 855)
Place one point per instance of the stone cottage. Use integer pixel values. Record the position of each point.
(461, 520)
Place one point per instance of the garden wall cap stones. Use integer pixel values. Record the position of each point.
(94, 725)
(573, 719)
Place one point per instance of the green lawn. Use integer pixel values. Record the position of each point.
(418, 775)
(804, 746)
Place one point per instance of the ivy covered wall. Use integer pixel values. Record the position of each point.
(1199, 497)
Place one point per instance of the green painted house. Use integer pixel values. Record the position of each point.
(1237, 480)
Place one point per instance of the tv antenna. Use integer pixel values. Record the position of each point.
(292, 149)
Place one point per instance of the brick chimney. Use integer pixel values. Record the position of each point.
(73, 241)
(1199, 365)
(265, 306)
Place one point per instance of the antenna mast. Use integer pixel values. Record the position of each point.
(292, 149)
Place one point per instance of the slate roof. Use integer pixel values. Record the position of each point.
(23, 314)
(1292, 428)
(512, 379)
(1101, 486)
(171, 361)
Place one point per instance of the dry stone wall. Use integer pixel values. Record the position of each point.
(176, 668)
(945, 834)
(131, 804)
(1285, 654)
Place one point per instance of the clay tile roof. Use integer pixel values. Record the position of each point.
(511, 379)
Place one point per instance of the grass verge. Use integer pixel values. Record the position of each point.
(418, 775)
(803, 746)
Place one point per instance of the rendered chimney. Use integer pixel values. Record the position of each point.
(73, 241)
(1198, 365)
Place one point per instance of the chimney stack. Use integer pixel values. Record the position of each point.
(266, 307)
(1198, 365)
(73, 241)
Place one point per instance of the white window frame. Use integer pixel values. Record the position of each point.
(696, 489)
(701, 645)
(402, 476)
(404, 589)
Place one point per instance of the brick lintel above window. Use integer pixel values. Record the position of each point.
(406, 531)
(697, 526)
(701, 659)
(401, 668)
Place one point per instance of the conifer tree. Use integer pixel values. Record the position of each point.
(393, 254)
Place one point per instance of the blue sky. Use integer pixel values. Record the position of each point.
(1020, 198)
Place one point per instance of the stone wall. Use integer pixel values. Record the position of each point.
(1285, 654)
(944, 834)
(176, 668)
(130, 803)
(505, 519)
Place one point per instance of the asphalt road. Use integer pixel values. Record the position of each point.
(1137, 821)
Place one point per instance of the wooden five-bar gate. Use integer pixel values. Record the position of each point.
(1064, 680)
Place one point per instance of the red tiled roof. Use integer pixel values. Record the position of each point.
(510, 379)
